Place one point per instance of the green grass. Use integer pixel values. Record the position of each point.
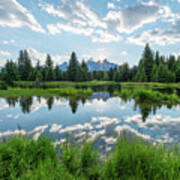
(61, 84)
(151, 85)
(144, 95)
(12, 92)
(132, 159)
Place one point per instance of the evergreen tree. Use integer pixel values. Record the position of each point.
(84, 71)
(73, 68)
(178, 74)
(27, 66)
(154, 75)
(111, 74)
(148, 61)
(21, 63)
(10, 72)
(50, 74)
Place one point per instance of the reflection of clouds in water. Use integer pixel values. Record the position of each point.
(157, 129)
(55, 128)
(90, 131)
(104, 121)
(43, 103)
(125, 128)
(86, 126)
(102, 106)
(16, 116)
(37, 131)
(93, 135)
(5, 106)
(109, 140)
(12, 133)
(161, 128)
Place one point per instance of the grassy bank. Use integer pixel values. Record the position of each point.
(132, 159)
(150, 85)
(59, 84)
(12, 92)
(148, 95)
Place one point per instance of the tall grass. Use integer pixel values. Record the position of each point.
(141, 94)
(132, 159)
(46, 92)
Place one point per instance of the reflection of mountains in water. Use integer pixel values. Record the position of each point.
(100, 95)
(29, 104)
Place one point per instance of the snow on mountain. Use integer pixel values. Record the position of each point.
(103, 65)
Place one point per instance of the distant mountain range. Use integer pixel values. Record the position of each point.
(92, 65)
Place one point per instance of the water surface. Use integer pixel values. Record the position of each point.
(100, 117)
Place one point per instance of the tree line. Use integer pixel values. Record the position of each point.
(152, 67)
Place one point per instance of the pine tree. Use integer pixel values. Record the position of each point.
(73, 68)
(10, 72)
(50, 74)
(148, 61)
(111, 74)
(27, 66)
(84, 71)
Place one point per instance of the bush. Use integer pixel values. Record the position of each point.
(132, 159)
(3, 86)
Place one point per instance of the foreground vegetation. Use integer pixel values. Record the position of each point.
(66, 92)
(132, 159)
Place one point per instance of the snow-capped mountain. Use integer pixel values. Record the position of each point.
(63, 66)
(103, 65)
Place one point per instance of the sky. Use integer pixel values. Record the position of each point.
(116, 30)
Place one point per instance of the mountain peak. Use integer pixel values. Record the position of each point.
(100, 65)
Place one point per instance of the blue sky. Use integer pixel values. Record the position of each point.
(112, 29)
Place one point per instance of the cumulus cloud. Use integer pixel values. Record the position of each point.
(37, 131)
(13, 14)
(159, 36)
(57, 28)
(5, 53)
(132, 17)
(74, 11)
(124, 53)
(111, 5)
(79, 18)
(36, 55)
(12, 41)
(12, 133)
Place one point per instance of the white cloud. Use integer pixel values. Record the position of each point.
(57, 28)
(76, 12)
(177, 54)
(132, 18)
(55, 128)
(159, 36)
(5, 53)
(36, 55)
(111, 5)
(12, 41)
(79, 18)
(12, 133)
(124, 53)
(105, 37)
(13, 14)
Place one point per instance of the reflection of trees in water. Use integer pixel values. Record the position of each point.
(12, 101)
(25, 103)
(73, 103)
(145, 107)
(50, 102)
